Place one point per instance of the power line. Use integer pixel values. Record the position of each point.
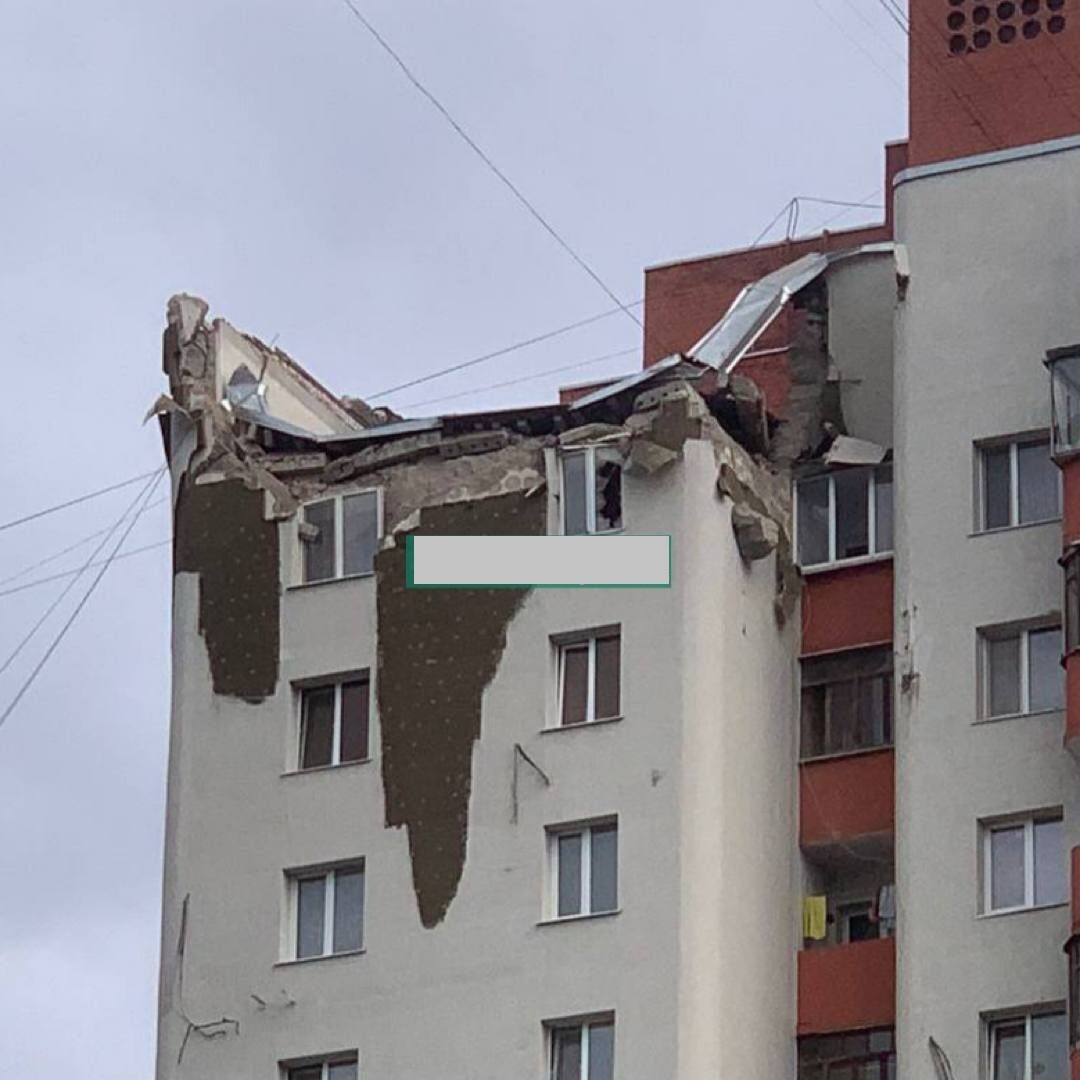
(29, 680)
(524, 379)
(78, 573)
(858, 44)
(547, 336)
(67, 573)
(75, 502)
(475, 147)
(64, 551)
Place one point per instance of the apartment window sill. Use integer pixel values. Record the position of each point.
(1033, 715)
(317, 959)
(586, 724)
(300, 585)
(1014, 528)
(326, 768)
(843, 564)
(587, 917)
(1021, 910)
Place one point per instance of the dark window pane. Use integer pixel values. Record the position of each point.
(813, 514)
(1051, 886)
(574, 494)
(1049, 1047)
(861, 928)
(852, 513)
(607, 677)
(1003, 662)
(342, 1070)
(306, 1072)
(319, 553)
(310, 916)
(608, 495)
(1074, 992)
(1009, 1048)
(361, 532)
(569, 868)
(843, 712)
(997, 487)
(348, 910)
(1072, 600)
(604, 874)
(813, 721)
(601, 1051)
(317, 727)
(575, 683)
(875, 702)
(883, 509)
(566, 1054)
(1007, 868)
(1037, 480)
(355, 707)
(1046, 680)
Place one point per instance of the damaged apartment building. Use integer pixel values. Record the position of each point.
(813, 811)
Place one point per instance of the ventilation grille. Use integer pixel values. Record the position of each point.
(974, 26)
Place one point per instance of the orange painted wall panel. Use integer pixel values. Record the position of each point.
(1072, 700)
(842, 798)
(1070, 476)
(847, 608)
(1075, 883)
(847, 987)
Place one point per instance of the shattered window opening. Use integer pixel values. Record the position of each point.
(1018, 483)
(349, 529)
(844, 514)
(335, 724)
(584, 869)
(847, 703)
(328, 911)
(1024, 864)
(583, 1051)
(1020, 671)
(589, 678)
(591, 491)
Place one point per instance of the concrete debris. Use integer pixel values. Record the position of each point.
(591, 433)
(756, 535)
(848, 451)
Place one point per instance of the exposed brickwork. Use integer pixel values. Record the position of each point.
(1013, 82)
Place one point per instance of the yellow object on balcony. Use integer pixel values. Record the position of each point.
(814, 918)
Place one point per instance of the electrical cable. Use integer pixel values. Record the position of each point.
(858, 44)
(75, 502)
(67, 573)
(475, 147)
(29, 680)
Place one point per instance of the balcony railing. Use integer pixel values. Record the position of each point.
(848, 798)
(847, 987)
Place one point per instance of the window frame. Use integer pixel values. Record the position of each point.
(338, 499)
(873, 553)
(590, 453)
(288, 1069)
(1005, 632)
(1013, 442)
(1028, 821)
(585, 830)
(329, 874)
(1028, 1016)
(337, 683)
(563, 642)
(583, 1025)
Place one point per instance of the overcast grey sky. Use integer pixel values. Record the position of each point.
(267, 156)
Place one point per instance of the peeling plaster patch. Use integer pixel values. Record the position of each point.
(220, 534)
(438, 650)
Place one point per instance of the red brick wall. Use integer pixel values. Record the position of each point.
(990, 98)
(848, 987)
(847, 608)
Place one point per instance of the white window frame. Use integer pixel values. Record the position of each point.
(330, 873)
(338, 499)
(325, 1064)
(585, 1028)
(1029, 823)
(590, 639)
(585, 830)
(335, 748)
(1023, 631)
(590, 453)
(1013, 442)
(873, 551)
(992, 1023)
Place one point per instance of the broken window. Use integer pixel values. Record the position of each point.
(335, 723)
(1020, 484)
(584, 869)
(847, 702)
(1024, 864)
(1021, 670)
(589, 678)
(344, 537)
(591, 491)
(1029, 1047)
(1065, 399)
(857, 1055)
(329, 911)
(844, 514)
(336, 1068)
(583, 1051)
